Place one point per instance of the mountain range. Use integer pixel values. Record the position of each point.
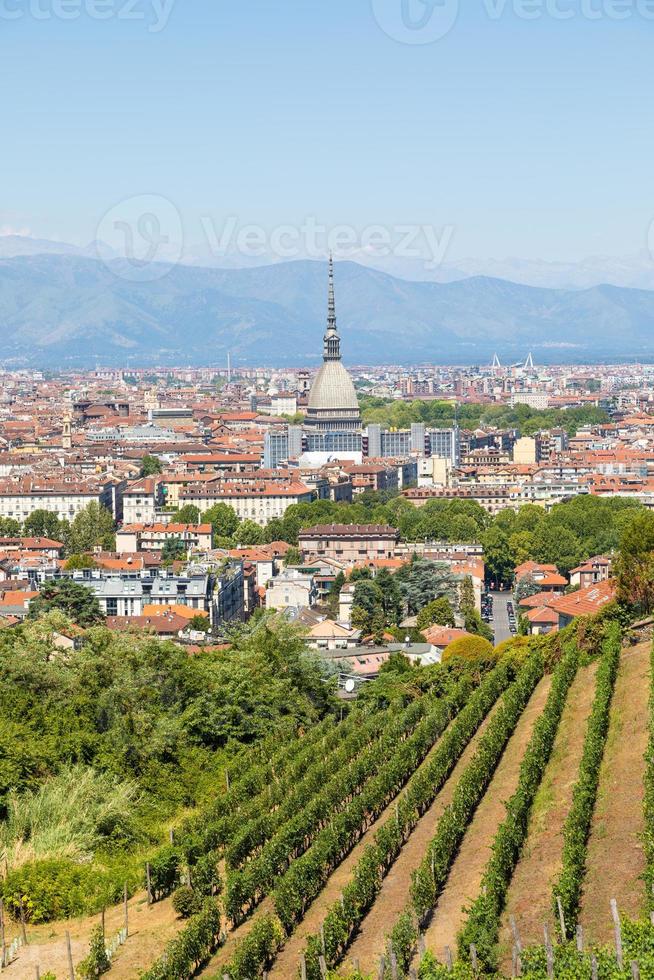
(73, 310)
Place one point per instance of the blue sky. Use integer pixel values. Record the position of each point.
(528, 137)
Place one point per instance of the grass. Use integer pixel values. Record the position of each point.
(72, 815)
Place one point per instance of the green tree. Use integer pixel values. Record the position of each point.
(93, 526)
(439, 612)
(556, 544)
(223, 519)
(250, 533)
(42, 524)
(391, 597)
(188, 514)
(293, 556)
(9, 528)
(76, 601)
(635, 563)
(173, 550)
(80, 562)
(150, 465)
(498, 556)
(199, 624)
(467, 596)
(333, 599)
(469, 648)
(422, 581)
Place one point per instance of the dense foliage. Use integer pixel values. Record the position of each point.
(442, 415)
(100, 746)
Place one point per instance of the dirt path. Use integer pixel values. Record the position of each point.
(149, 931)
(465, 877)
(616, 859)
(530, 893)
(286, 964)
(394, 894)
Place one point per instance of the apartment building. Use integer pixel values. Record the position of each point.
(258, 502)
(65, 498)
(349, 543)
(154, 537)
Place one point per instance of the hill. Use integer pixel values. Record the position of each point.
(58, 310)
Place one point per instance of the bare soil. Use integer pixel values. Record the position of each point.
(149, 931)
(616, 858)
(465, 877)
(529, 898)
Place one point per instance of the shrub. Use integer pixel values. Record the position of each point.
(164, 871)
(97, 962)
(185, 902)
(205, 876)
(469, 648)
(60, 889)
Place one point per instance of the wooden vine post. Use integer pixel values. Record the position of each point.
(618, 933)
(71, 968)
(125, 909)
(148, 883)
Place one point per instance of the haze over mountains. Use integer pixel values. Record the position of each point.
(61, 308)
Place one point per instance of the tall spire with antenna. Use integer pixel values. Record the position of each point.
(332, 342)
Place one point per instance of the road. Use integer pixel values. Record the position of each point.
(500, 621)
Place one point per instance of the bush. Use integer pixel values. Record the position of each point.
(469, 648)
(60, 889)
(205, 877)
(185, 902)
(97, 962)
(164, 871)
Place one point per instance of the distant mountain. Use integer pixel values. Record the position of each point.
(633, 271)
(58, 310)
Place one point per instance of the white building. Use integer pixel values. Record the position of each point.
(258, 502)
(291, 590)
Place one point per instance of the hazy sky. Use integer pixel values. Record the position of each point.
(530, 137)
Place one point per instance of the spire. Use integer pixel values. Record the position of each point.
(332, 342)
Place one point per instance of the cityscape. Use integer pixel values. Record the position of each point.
(326, 490)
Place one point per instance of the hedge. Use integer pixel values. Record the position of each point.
(432, 873)
(649, 796)
(483, 921)
(343, 918)
(576, 829)
(192, 947)
(245, 888)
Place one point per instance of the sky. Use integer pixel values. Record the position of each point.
(506, 127)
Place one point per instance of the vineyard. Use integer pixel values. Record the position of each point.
(495, 823)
